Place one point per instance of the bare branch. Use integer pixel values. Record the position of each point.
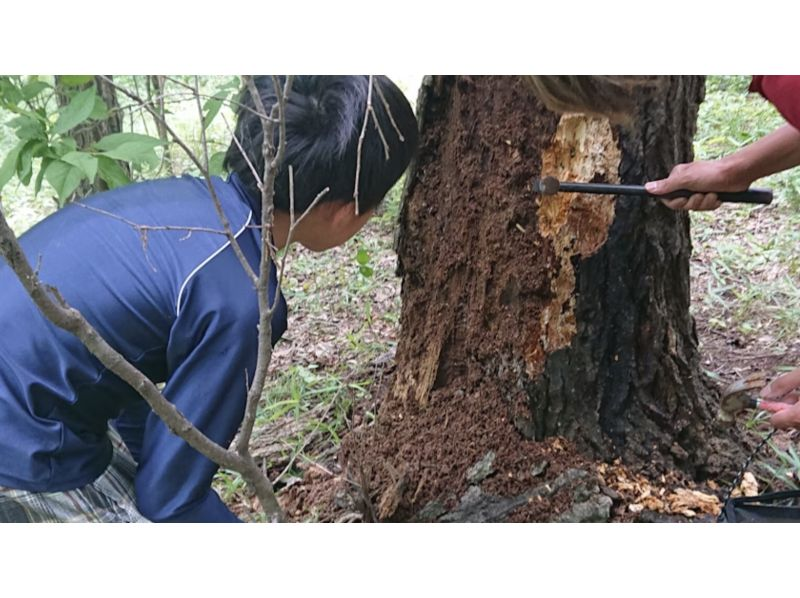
(159, 82)
(272, 164)
(389, 113)
(380, 133)
(249, 162)
(267, 187)
(369, 113)
(141, 113)
(282, 117)
(361, 143)
(149, 227)
(292, 227)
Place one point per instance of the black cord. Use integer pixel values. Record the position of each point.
(743, 470)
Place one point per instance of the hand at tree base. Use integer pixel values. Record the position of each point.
(780, 398)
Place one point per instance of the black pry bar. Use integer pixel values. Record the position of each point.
(753, 195)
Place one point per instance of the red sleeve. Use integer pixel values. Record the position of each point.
(783, 91)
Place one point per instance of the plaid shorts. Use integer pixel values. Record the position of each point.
(109, 499)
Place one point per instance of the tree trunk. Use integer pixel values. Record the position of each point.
(537, 332)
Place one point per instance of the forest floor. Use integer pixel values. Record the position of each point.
(334, 364)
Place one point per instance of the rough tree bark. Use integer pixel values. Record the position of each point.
(534, 326)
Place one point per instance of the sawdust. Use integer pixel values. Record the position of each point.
(670, 494)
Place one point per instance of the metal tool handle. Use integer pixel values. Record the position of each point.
(754, 196)
(760, 196)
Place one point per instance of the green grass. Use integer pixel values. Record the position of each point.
(317, 405)
(782, 471)
(300, 390)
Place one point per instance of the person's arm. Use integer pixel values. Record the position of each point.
(778, 151)
(210, 355)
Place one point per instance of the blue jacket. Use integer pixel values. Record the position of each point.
(178, 305)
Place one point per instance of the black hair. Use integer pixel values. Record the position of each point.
(324, 117)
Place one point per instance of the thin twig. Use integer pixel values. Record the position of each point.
(292, 227)
(159, 81)
(361, 143)
(141, 111)
(267, 187)
(380, 134)
(389, 113)
(149, 227)
(249, 162)
(369, 113)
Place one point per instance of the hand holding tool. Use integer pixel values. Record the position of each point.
(551, 185)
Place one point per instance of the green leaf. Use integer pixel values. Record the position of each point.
(64, 146)
(86, 162)
(27, 128)
(75, 80)
(37, 186)
(111, 172)
(113, 141)
(130, 147)
(362, 257)
(134, 152)
(100, 110)
(232, 84)
(78, 110)
(215, 164)
(33, 89)
(9, 166)
(32, 149)
(9, 92)
(64, 178)
(365, 271)
(24, 115)
(212, 107)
